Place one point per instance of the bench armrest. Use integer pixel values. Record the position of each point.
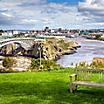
(73, 76)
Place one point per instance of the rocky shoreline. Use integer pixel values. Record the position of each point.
(67, 52)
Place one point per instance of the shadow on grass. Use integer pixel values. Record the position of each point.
(92, 91)
(54, 92)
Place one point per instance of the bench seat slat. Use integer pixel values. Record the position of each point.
(83, 83)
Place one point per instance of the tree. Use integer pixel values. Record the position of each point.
(1, 31)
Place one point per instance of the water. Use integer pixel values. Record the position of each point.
(89, 49)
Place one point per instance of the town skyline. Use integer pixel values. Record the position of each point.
(37, 14)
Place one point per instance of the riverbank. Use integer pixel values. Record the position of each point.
(98, 37)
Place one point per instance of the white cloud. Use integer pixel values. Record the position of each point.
(30, 21)
(94, 11)
(44, 14)
(39, 13)
(94, 7)
(8, 15)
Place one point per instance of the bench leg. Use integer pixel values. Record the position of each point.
(73, 88)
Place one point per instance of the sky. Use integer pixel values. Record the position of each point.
(37, 14)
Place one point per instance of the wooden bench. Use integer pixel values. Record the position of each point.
(75, 83)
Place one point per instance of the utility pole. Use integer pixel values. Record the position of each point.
(40, 55)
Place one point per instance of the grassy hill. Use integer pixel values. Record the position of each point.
(45, 88)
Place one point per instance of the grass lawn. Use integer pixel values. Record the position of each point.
(44, 88)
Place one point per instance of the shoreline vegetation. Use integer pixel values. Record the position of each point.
(96, 64)
(97, 37)
(34, 65)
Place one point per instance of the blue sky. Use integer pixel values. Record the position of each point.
(72, 2)
(37, 14)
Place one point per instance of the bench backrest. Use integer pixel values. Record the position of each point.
(87, 75)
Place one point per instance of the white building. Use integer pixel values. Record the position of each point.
(10, 33)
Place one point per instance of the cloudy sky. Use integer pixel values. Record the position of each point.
(36, 14)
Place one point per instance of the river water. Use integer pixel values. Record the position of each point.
(89, 49)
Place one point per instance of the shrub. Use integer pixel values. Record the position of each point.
(82, 64)
(97, 65)
(45, 65)
(8, 62)
(98, 36)
(93, 65)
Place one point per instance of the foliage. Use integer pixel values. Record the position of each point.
(64, 45)
(45, 65)
(1, 31)
(98, 36)
(8, 62)
(18, 35)
(97, 65)
(82, 64)
(94, 65)
(101, 38)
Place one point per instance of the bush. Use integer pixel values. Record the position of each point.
(45, 65)
(93, 65)
(98, 36)
(82, 64)
(8, 62)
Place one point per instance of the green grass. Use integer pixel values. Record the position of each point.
(45, 88)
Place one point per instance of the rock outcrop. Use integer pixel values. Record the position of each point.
(52, 48)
